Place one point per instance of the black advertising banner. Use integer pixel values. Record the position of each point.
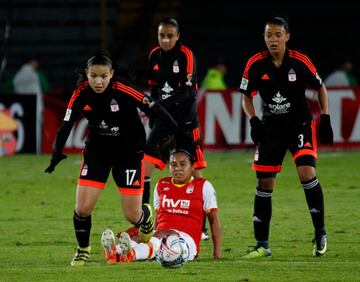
(23, 109)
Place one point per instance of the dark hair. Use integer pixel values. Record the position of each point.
(279, 21)
(121, 73)
(170, 21)
(185, 151)
(99, 59)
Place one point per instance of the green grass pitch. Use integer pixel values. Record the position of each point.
(37, 240)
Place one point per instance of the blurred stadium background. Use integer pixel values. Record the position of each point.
(64, 34)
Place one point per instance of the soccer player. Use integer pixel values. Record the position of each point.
(173, 82)
(115, 142)
(181, 202)
(281, 75)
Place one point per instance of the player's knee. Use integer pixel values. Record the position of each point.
(305, 160)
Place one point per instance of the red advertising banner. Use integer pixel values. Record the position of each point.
(225, 125)
(223, 121)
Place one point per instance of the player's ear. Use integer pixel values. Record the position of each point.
(287, 36)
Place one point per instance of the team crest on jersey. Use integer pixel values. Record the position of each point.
(190, 189)
(244, 83)
(114, 106)
(176, 68)
(67, 115)
(292, 75)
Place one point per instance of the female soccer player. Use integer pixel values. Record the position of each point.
(173, 81)
(115, 142)
(281, 75)
(181, 202)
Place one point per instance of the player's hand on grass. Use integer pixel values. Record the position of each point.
(326, 135)
(257, 131)
(56, 158)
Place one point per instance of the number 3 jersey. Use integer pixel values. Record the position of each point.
(282, 89)
(182, 207)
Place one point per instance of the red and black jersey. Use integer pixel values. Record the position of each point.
(113, 120)
(173, 81)
(282, 89)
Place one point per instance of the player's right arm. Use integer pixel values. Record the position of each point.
(73, 111)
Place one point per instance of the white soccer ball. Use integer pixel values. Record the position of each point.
(173, 252)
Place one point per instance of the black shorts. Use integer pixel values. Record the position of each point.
(300, 141)
(158, 154)
(127, 174)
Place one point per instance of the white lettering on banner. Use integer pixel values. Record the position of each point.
(17, 110)
(355, 135)
(230, 122)
(223, 114)
(335, 110)
(77, 135)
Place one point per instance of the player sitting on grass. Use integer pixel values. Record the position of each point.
(181, 203)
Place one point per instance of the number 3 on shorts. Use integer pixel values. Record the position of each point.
(301, 140)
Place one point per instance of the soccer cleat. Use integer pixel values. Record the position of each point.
(320, 246)
(81, 256)
(258, 252)
(109, 246)
(127, 253)
(147, 228)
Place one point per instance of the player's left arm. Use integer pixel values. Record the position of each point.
(215, 226)
(210, 207)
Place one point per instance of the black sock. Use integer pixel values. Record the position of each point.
(262, 216)
(144, 216)
(315, 201)
(82, 226)
(146, 194)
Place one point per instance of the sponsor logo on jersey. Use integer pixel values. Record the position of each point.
(178, 206)
(156, 67)
(176, 68)
(279, 108)
(87, 108)
(167, 89)
(103, 125)
(292, 75)
(114, 106)
(244, 83)
(67, 115)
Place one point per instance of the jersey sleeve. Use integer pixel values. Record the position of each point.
(73, 112)
(249, 80)
(312, 77)
(209, 198)
(156, 198)
(189, 75)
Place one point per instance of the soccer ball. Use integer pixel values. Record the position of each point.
(173, 252)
